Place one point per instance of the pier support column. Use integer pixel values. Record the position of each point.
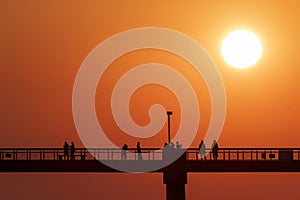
(175, 178)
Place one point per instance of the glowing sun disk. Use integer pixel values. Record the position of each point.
(241, 49)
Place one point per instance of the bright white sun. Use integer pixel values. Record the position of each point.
(241, 48)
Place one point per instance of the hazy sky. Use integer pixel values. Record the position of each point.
(42, 45)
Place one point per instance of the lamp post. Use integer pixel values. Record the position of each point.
(169, 128)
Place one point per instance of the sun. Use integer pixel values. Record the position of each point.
(241, 49)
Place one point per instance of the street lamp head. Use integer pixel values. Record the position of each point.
(169, 113)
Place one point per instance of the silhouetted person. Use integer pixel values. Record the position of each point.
(72, 151)
(202, 150)
(165, 151)
(172, 146)
(66, 151)
(215, 148)
(138, 150)
(178, 146)
(124, 152)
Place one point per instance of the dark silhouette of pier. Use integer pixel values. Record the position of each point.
(174, 175)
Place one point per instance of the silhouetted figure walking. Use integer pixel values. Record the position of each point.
(172, 146)
(166, 144)
(138, 150)
(66, 151)
(72, 151)
(165, 151)
(124, 152)
(202, 150)
(215, 148)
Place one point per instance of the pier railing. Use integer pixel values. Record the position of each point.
(247, 154)
(224, 154)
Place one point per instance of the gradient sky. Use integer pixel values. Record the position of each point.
(42, 45)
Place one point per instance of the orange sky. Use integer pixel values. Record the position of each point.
(44, 43)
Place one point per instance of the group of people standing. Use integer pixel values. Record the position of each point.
(138, 151)
(214, 149)
(69, 151)
(171, 146)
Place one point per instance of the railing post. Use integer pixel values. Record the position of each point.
(243, 155)
(256, 154)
